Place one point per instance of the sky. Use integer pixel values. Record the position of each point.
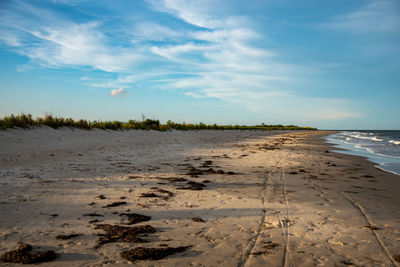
(328, 64)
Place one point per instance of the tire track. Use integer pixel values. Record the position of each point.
(263, 194)
(358, 206)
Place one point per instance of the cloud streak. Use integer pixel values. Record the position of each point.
(379, 16)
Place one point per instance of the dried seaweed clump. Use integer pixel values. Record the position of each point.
(65, 237)
(142, 253)
(195, 185)
(24, 255)
(114, 204)
(396, 257)
(117, 233)
(197, 219)
(135, 217)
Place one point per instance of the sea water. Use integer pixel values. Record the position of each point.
(381, 147)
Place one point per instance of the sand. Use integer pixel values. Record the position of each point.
(216, 198)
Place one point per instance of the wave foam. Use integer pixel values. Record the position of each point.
(395, 142)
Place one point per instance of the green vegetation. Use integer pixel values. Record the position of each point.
(26, 121)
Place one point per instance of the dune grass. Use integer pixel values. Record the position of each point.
(27, 121)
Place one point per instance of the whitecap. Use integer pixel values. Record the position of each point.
(395, 142)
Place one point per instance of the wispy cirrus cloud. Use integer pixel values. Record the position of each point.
(377, 16)
(52, 40)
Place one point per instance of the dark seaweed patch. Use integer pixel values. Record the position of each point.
(135, 218)
(65, 237)
(142, 253)
(24, 255)
(117, 233)
(197, 219)
(148, 195)
(195, 186)
(173, 179)
(93, 215)
(114, 204)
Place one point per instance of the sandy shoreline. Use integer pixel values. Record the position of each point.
(287, 201)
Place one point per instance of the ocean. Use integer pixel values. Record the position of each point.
(380, 147)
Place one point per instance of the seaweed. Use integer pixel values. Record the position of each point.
(148, 195)
(114, 204)
(135, 217)
(173, 179)
(65, 237)
(24, 255)
(163, 191)
(195, 186)
(117, 233)
(197, 219)
(142, 253)
(396, 257)
(93, 215)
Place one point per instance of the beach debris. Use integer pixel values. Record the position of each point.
(209, 171)
(269, 246)
(163, 191)
(231, 173)
(114, 204)
(65, 237)
(93, 215)
(117, 233)
(150, 194)
(197, 219)
(205, 181)
(219, 172)
(206, 163)
(193, 172)
(95, 221)
(173, 179)
(142, 253)
(135, 217)
(396, 257)
(367, 176)
(165, 194)
(101, 197)
(347, 262)
(24, 255)
(195, 186)
(373, 227)
(293, 172)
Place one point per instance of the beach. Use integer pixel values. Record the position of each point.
(221, 198)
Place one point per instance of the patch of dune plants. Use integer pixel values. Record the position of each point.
(27, 121)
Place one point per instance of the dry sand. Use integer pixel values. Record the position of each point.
(288, 202)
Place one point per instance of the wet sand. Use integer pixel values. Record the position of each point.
(220, 198)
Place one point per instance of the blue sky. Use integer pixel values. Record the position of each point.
(328, 64)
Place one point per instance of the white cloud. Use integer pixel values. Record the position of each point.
(378, 16)
(151, 31)
(198, 13)
(118, 92)
(49, 39)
